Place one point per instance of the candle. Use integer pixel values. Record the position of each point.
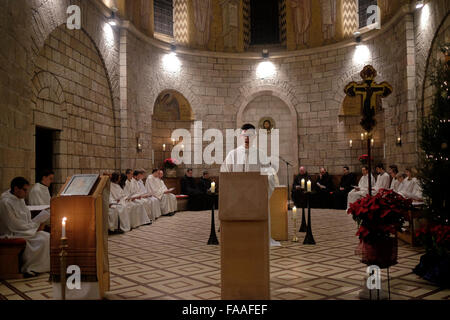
(303, 184)
(294, 211)
(372, 141)
(308, 186)
(362, 136)
(350, 143)
(164, 147)
(182, 146)
(173, 141)
(365, 135)
(213, 187)
(63, 235)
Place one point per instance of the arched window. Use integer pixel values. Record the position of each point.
(265, 21)
(365, 12)
(163, 16)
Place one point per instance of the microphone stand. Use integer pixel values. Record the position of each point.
(287, 176)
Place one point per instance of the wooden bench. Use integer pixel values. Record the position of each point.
(10, 257)
(182, 200)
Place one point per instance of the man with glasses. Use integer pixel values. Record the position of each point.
(16, 222)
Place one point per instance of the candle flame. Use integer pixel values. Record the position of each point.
(64, 220)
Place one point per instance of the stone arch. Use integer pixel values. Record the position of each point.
(171, 110)
(46, 88)
(50, 15)
(442, 34)
(285, 98)
(184, 90)
(71, 92)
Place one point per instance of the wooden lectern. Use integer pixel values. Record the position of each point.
(279, 214)
(87, 238)
(244, 236)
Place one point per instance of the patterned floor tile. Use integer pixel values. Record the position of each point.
(171, 260)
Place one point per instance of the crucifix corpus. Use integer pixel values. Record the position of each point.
(369, 90)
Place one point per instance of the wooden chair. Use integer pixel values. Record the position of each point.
(10, 257)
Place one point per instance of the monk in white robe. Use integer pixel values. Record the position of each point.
(244, 159)
(124, 213)
(411, 188)
(383, 179)
(137, 190)
(362, 189)
(39, 193)
(393, 172)
(157, 188)
(16, 222)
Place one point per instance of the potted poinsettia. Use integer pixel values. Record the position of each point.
(434, 265)
(364, 159)
(379, 218)
(170, 166)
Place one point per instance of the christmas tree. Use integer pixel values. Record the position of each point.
(434, 175)
(435, 133)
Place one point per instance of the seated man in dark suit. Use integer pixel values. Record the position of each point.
(345, 186)
(297, 192)
(323, 187)
(197, 199)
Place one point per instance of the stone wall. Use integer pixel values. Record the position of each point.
(25, 26)
(80, 108)
(115, 81)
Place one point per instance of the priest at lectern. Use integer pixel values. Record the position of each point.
(245, 159)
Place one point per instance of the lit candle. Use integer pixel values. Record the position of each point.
(308, 186)
(294, 211)
(173, 141)
(350, 143)
(399, 140)
(303, 184)
(213, 187)
(362, 136)
(372, 141)
(182, 146)
(365, 135)
(63, 235)
(164, 147)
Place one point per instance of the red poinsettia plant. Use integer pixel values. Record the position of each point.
(435, 238)
(364, 158)
(379, 216)
(170, 163)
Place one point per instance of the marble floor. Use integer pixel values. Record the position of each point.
(170, 260)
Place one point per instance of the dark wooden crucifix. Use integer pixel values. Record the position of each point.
(369, 90)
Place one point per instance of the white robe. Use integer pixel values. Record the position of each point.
(151, 204)
(238, 160)
(395, 185)
(156, 187)
(383, 182)
(39, 195)
(131, 214)
(411, 189)
(363, 190)
(16, 222)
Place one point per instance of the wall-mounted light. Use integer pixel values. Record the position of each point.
(138, 143)
(350, 143)
(419, 4)
(112, 20)
(171, 63)
(362, 52)
(265, 53)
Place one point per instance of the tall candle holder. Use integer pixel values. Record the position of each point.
(63, 261)
(309, 239)
(303, 225)
(294, 239)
